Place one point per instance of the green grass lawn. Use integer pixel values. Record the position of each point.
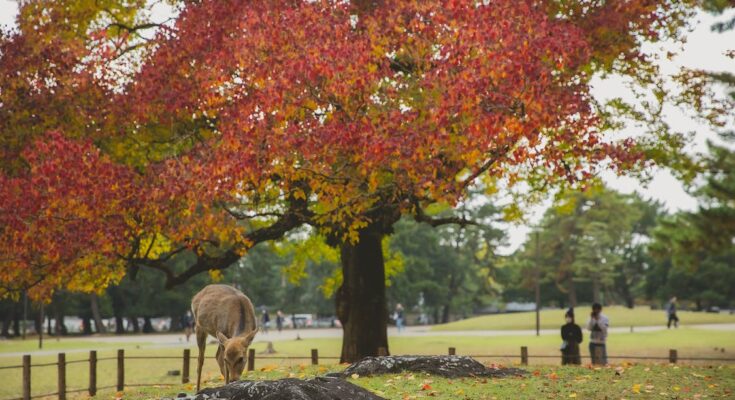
(689, 342)
(552, 319)
(64, 344)
(628, 381)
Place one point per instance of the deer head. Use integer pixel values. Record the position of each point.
(235, 353)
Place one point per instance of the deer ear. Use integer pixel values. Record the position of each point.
(250, 336)
(222, 338)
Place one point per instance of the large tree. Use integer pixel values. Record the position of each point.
(244, 120)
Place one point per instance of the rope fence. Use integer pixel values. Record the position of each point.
(186, 359)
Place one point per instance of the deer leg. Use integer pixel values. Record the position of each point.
(220, 356)
(202, 344)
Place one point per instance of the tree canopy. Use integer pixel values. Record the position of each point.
(239, 121)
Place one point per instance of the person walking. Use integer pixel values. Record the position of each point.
(266, 321)
(571, 334)
(187, 322)
(671, 312)
(598, 326)
(279, 321)
(398, 316)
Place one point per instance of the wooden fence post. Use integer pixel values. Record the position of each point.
(452, 351)
(382, 351)
(314, 357)
(185, 367)
(62, 376)
(27, 377)
(524, 355)
(93, 373)
(673, 356)
(251, 360)
(120, 370)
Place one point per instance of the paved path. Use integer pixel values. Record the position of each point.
(177, 340)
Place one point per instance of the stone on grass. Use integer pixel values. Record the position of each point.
(445, 366)
(319, 388)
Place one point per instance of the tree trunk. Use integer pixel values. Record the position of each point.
(136, 325)
(595, 290)
(445, 314)
(94, 305)
(147, 325)
(38, 323)
(8, 320)
(572, 292)
(119, 325)
(118, 308)
(361, 301)
(16, 322)
(60, 327)
(87, 325)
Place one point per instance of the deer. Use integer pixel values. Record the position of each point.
(228, 315)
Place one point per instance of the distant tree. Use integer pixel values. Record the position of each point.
(694, 249)
(594, 237)
(452, 268)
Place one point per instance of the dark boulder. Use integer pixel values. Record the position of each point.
(328, 388)
(446, 366)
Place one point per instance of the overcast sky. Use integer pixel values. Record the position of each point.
(704, 50)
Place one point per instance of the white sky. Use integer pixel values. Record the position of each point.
(704, 50)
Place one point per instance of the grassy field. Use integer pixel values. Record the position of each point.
(622, 382)
(689, 342)
(552, 319)
(64, 344)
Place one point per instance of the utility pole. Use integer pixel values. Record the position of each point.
(537, 284)
(25, 313)
(41, 325)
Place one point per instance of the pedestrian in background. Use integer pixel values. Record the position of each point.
(266, 321)
(598, 326)
(571, 334)
(398, 317)
(187, 322)
(279, 321)
(671, 312)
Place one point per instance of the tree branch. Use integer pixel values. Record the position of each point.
(420, 216)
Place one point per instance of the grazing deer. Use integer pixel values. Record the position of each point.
(225, 313)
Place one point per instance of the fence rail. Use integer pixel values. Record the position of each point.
(186, 359)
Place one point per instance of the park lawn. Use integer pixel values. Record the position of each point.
(552, 319)
(628, 381)
(64, 344)
(689, 342)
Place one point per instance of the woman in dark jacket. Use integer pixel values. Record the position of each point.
(571, 334)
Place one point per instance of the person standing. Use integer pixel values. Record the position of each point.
(398, 316)
(187, 322)
(598, 326)
(279, 321)
(671, 312)
(266, 321)
(571, 334)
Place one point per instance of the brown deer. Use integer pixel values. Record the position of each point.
(225, 313)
